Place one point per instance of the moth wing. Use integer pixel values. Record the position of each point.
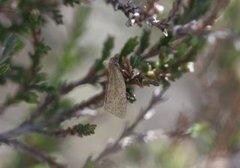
(115, 98)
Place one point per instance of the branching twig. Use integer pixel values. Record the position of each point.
(57, 118)
(92, 102)
(90, 78)
(142, 13)
(34, 152)
(198, 27)
(156, 98)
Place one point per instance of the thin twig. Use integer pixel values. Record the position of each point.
(198, 27)
(156, 98)
(195, 28)
(92, 102)
(31, 71)
(56, 119)
(146, 12)
(34, 152)
(90, 78)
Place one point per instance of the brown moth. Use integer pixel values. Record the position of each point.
(115, 97)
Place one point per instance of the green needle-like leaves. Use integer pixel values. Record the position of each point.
(129, 47)
(10, 45)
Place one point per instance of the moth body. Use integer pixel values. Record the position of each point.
(115, 98)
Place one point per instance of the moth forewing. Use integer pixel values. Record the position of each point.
(115, 98)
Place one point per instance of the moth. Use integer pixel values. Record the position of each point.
(115, 97)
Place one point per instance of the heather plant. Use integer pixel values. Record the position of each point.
(186, 31)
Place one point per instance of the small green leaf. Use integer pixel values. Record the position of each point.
(86, 129)
(176, 73)
(181, 50)
(42, 49)
(164, 41)
(57, 16)
(10, 45)
(71, 2)
(43, 87)
(40, 166)
(203, 134)
(129, 47)
(4, 69)
(30, 97)
(39, 78)
(90, 164)
(99, 64)
(18, 73)
(136, 62)
(197, 129)
(144, 41)
(107, 47)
